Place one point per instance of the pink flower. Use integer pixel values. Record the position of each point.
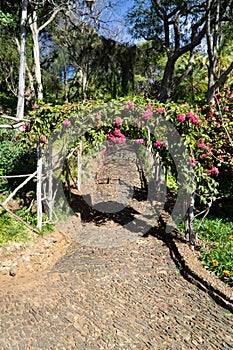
(160, 110)
(44, 139)
(111, 138)
(194, 119)
(213, 171)
(117, 137)
(203, 155)
(150, 107)
(27, 127)
(66, 123)
(130, 105)
(118, 122)
(146, 115)
(121, 140)
(158, 144)
(201, 145)
(192, 162)
(35, 107)
(189, 115)
(181, 117)
(117, 132)
(139, 141)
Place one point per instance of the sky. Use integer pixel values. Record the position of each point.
(115, 17)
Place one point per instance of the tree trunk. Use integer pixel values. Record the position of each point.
(30, 92)
(165, 88)
(22, 68)
(36, 53)
(84, 81)
(212, 37)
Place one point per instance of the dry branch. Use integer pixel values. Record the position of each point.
(19, 218)
(18, 188)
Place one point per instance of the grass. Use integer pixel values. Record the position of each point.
(14, 231)
(11, 230)
(216, 235)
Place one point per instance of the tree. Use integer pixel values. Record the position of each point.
(177, 28)
(219, 15)
(23, 58)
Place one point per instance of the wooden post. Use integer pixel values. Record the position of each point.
(50, 180)
(79, 166)
(39, 186)
(67, 171)
(189, 223)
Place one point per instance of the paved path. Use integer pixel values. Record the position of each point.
(130, 297)
(111, 289)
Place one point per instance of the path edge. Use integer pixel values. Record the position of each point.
(192, 269)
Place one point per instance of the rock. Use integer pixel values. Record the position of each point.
(13, 271)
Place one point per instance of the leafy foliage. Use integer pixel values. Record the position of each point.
(16, 158)
(217, 254)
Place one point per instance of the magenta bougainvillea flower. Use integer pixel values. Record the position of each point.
(158, 144)
(130, 105)
(189, 115)
(146, 115)
(213, 171)
(27, 127)
(192, 162)
(181, 117)
(118, 122)
(139, 141)
(43, 139)
(117, 137)
(66, 123)
(194, 119)
(160, 110)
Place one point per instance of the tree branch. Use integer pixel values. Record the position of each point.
(55, 12)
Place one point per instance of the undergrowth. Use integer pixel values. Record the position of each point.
(14, 231)
(216, 235)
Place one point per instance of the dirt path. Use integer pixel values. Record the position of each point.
(102, 286)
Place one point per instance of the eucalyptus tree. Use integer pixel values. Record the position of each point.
(177, 28)
(218, 19)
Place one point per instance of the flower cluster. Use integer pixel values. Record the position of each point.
(130, 105)
(148, 114)
(213, 171)
(192, 117)
(139, 141)
(160, 110)
(158, 144)
(117, 137)
(192, 162)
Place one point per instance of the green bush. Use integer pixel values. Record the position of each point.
(15, 159)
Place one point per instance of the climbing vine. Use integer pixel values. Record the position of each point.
(205, 137)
